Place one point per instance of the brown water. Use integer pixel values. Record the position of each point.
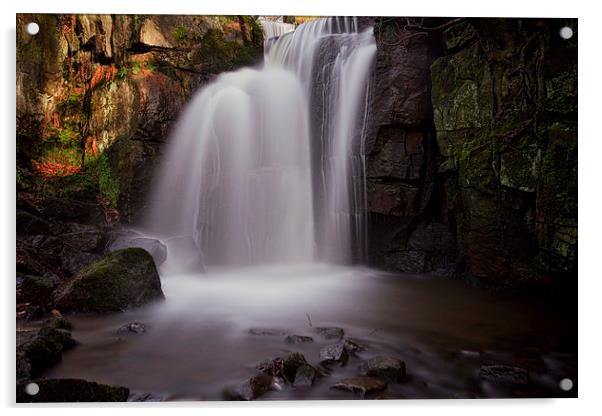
(198, 342)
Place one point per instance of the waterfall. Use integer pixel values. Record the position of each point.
(267, 165)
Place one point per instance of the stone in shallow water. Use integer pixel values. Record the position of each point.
(250, 389)
(330, 332)
(298, 339)
(271, 366)
(156, 248)
(38, 350)
(137, 396)
(353, 346)
(290, 365)
(267, 331)
(304, 376)
(386, 368)
(71, 390)
(132, 328)
(120, 280)
(504, 375)
(362, 385)
(334, 353)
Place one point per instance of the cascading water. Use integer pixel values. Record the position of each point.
(266, 165)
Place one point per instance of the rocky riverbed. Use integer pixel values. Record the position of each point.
(274, 333)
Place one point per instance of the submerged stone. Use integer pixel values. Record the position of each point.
(334, 353)
(353, 346)
(71, 390)
(298, 339)
(386, 368)
(304, 376)
(330, 332)
(291, 363)
(267, 331)
(250, 389)
(504, 375)
(38, 350)
(361, 385)
(132, 328)
(272, 366)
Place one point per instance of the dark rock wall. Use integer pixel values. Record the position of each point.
(475, 162)
(409, 230)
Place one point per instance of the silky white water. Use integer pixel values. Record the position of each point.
(266, 165)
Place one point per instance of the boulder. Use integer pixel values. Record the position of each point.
(298, 339)
(71, 210)
(353, 347)
(387, 368)
(137, 396)
(30, 224)
(291, 364)
(122, 279)
(39, 350)
(272, 366)
(132, 328)
(35, 289)
(58, 321)
(71, 390)
(304, 376)
(334, 353)
(250, 389)
(362, 385)
(504, 375)
(155, 247)
(267, 331)
(330, 332)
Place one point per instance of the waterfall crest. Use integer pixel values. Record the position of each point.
(267, 165)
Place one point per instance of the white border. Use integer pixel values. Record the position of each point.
(590, 156)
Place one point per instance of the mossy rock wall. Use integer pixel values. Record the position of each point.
(112, 86)
(504, 95)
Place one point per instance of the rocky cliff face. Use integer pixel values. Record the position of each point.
(97, 95)
(410, 230)
(492, 188)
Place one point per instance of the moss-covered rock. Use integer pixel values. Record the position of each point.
(121, 280)
(71, 390)
(37, 350)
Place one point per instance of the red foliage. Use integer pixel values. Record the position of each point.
(233, 26)
(91, 148)
(97, 77)
(102, 74)
(67, 23)
(55, 169)
(55, 120)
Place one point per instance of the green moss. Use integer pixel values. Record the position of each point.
(122, 72)
(108, 185)
(561, 92)
(181, 32)
(520, 165)
(558, 189)
(123, 278)
(220, 55)
(136, 68)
